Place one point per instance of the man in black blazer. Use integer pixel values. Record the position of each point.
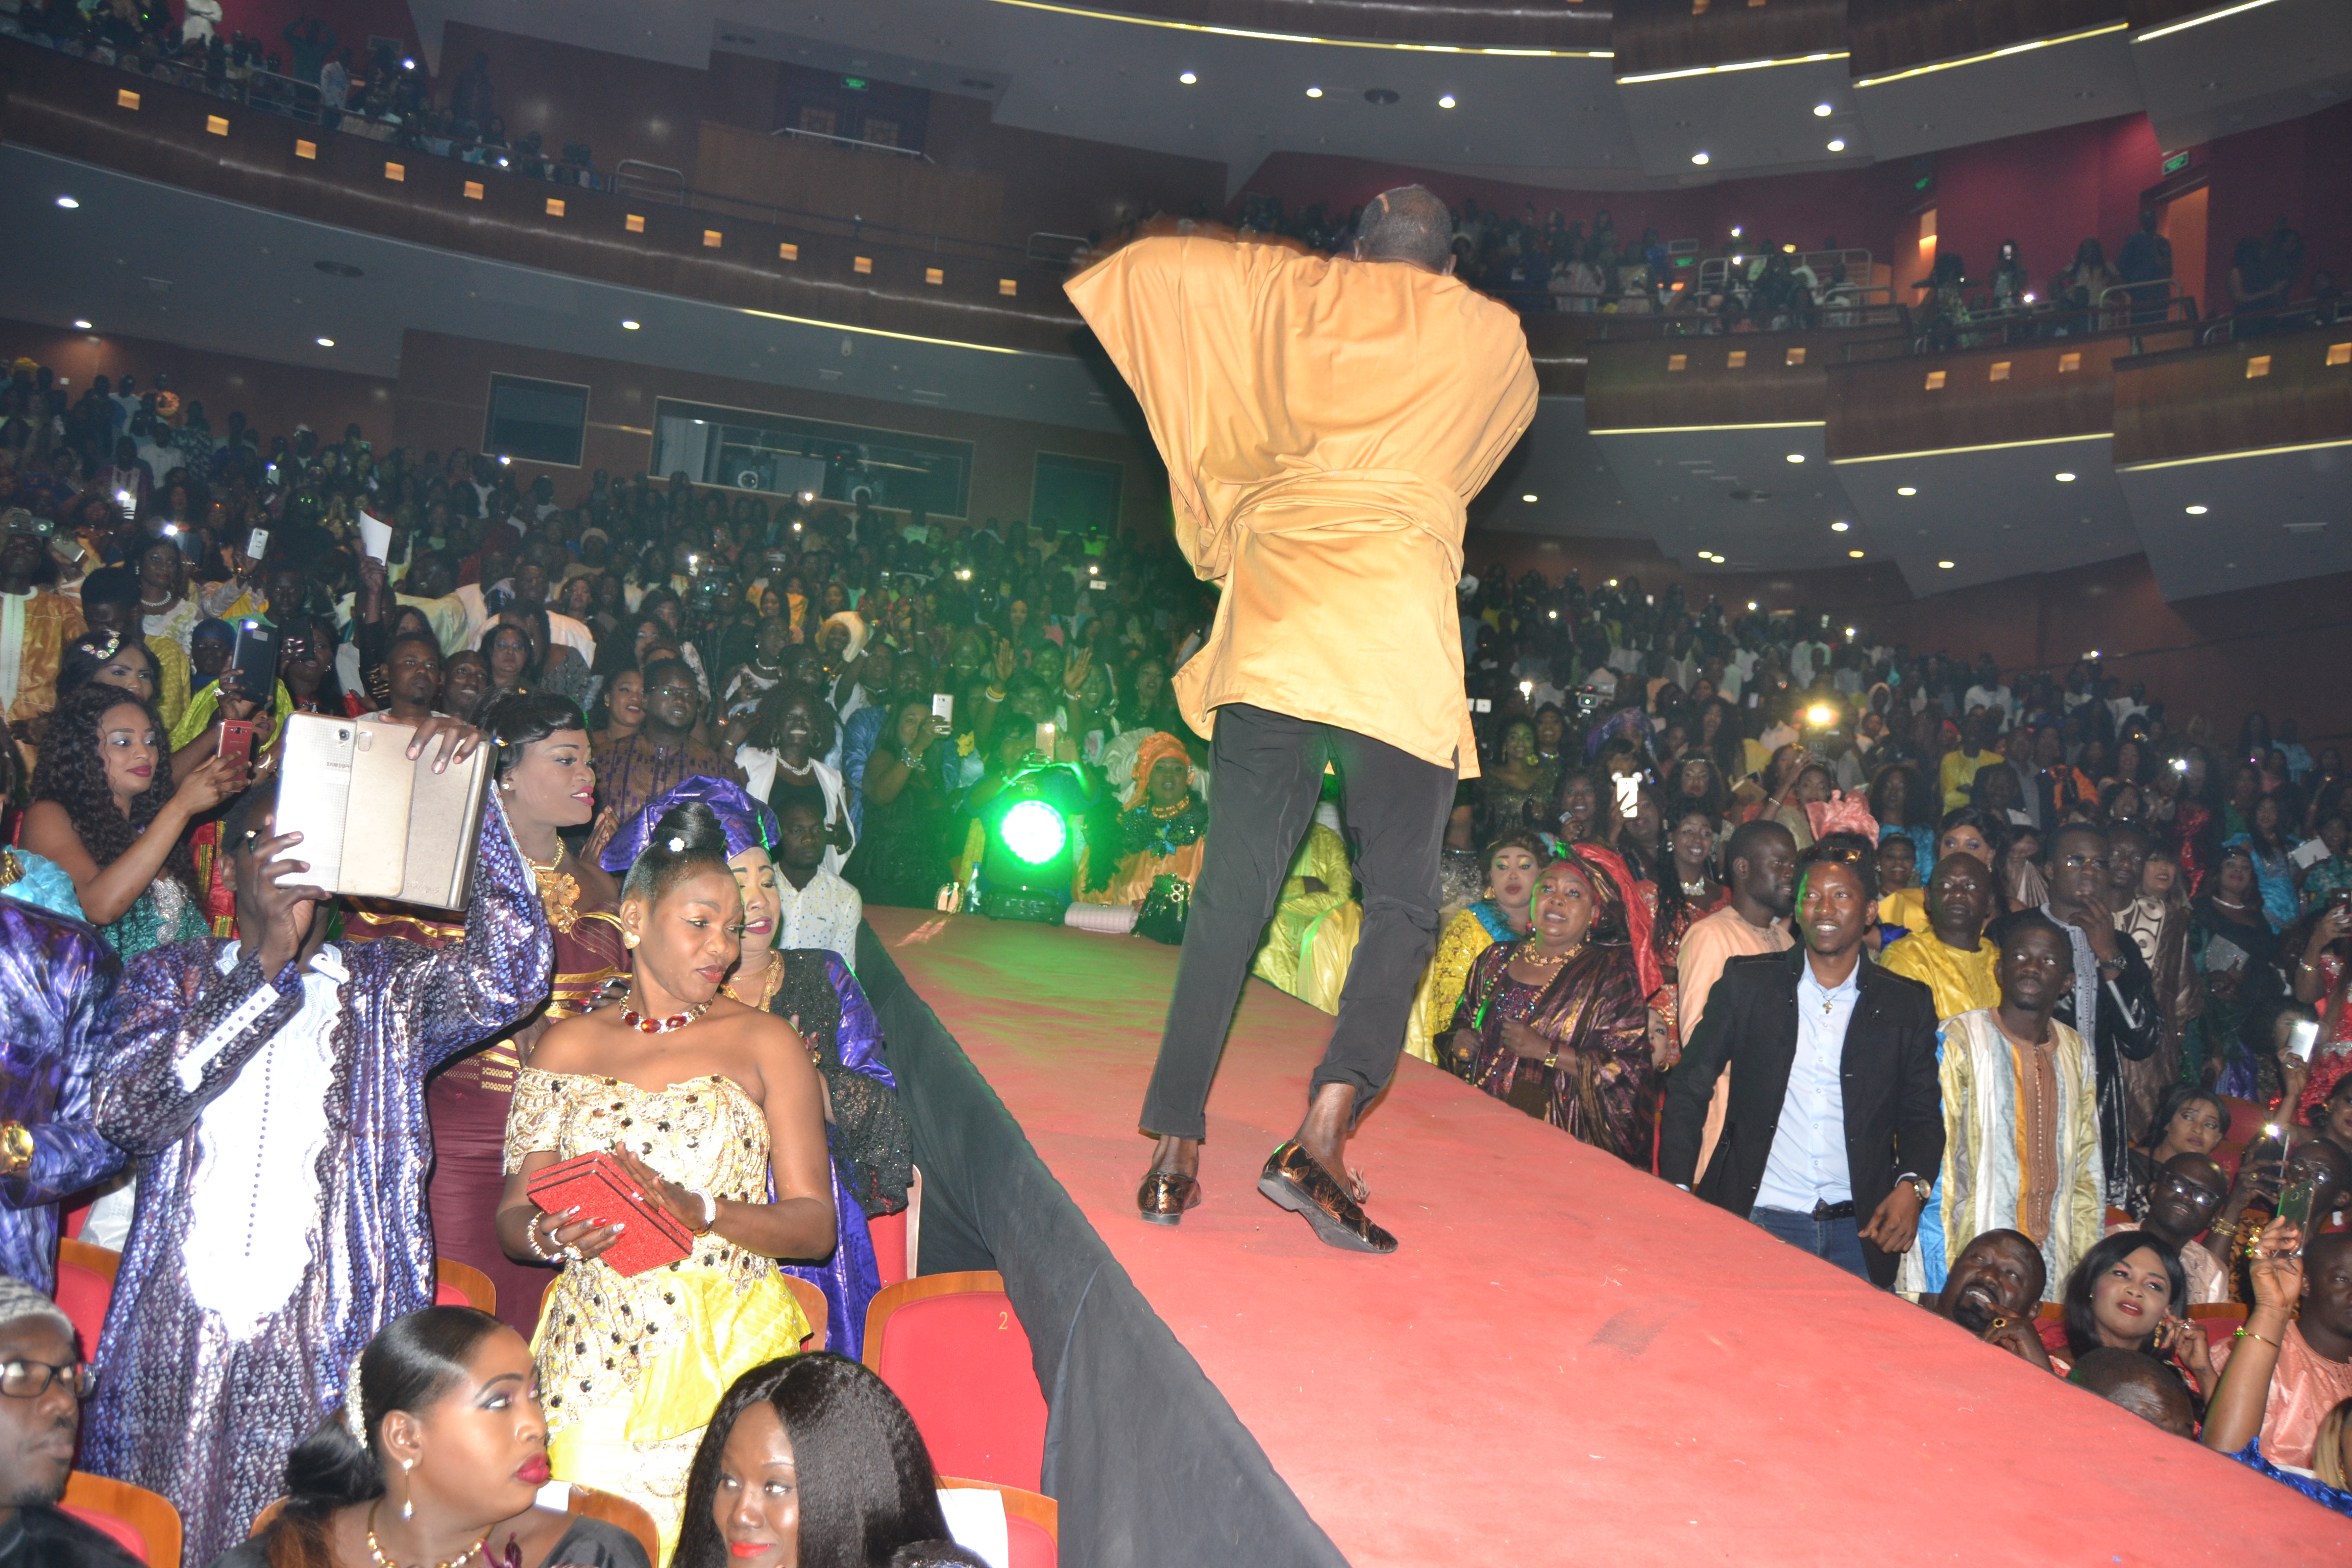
(1835, 1106)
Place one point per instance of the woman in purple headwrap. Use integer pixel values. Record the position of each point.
(813, 989)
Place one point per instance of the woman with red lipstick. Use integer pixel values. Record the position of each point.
(710, 1105)
(440, 1459)
(2130, 1294)
(545, 783)
(105, 809)
(811, 1461)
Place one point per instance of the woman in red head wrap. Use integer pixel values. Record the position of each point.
(1555, 1024)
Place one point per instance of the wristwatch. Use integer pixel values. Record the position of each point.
(1918, 1184)
(16, 1149)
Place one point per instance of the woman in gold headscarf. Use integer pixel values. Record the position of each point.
(1163, 832)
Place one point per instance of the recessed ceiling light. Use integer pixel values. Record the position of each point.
(1796, 456)
(1905, 490)
(1700, 159)
(1314, 92)
(628, 326)
(1839, 527)
(1945, 564)
(67, 203)
(2195, 510)
(1856, 553)
(1188, 78)
(1837, 143)
(1527, 498)
(1446, 102)
(1823, 111)
(2063, 478)
(81, 326)
(326, 343)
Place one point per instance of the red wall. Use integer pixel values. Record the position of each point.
(2221, 656)
(354, 22)
(2296, 170)
(273, 397)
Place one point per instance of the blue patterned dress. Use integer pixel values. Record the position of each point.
(278, 1128)
(55, 974)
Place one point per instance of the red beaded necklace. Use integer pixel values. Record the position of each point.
(645, 1025)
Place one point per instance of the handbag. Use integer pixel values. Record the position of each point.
(1164, 910)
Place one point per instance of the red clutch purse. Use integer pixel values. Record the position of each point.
(603, 1192)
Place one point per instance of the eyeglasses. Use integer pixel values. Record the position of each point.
(2084, 863)
(2181, 1187)
(673, 691)
(31, 1379)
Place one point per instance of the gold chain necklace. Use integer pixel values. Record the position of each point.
(768, 987)
(480, 1548)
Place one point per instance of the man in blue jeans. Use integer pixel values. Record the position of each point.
(1835, 1125)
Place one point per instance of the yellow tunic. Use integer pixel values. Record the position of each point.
(1325, 423)
(1465, 936)
(1962, 981)
(50, 621)
(1299, 926)
(632, 1367)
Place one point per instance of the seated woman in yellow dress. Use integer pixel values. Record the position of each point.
(1513, 862)
(705, 1102)
(1163, 831)
(1312, 936)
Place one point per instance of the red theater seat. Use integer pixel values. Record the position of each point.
(85, 1287)
(813, 1307)
(1032, 1523)
(889, 1234)
(456, 1284)
(145, 1523)
(950, 1347)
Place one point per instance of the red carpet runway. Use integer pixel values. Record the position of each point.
(1566, 1359)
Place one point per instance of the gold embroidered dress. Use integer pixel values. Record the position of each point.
(631, 1368)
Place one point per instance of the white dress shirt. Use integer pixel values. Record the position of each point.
(1807, 1163)
(824, 914)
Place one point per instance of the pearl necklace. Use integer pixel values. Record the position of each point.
(635, 1020)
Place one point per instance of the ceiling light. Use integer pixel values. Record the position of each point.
(1837, 143)
(80, 326)
(1839, 527)
(2063, 478)
(2195, 510)
(1945, 564)
(1905, 490)
(1527, 497)
(67, 203)
(1446, 102)
(628, 326)
(1854, 553)
(1796, 456)
(1700, 159)
(1188, 78)
(1823, 111)
(1314, 92)
(326, 343)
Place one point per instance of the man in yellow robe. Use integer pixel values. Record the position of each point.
(1951, 957)
(1325, 422)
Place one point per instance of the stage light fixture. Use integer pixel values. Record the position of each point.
(1031, 851)
(1034, 832)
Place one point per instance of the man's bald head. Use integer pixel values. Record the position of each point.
(2146, 1387)
(1408, 224)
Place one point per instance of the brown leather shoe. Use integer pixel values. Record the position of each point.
(1297, 1182)
(1165, 1195)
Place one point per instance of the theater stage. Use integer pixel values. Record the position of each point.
(1565, 1360)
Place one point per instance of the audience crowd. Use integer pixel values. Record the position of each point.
(2089, 956)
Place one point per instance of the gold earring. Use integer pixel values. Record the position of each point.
(628, 939)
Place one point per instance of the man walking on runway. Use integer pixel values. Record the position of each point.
(1325, 422)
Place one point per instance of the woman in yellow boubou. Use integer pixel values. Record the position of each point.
(1163, 831)
(709, 1106)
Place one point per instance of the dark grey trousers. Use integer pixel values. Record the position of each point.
(1265, 773)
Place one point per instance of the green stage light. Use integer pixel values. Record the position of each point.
(1034, 832)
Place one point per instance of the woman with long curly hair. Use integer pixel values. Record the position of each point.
(105, 808)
